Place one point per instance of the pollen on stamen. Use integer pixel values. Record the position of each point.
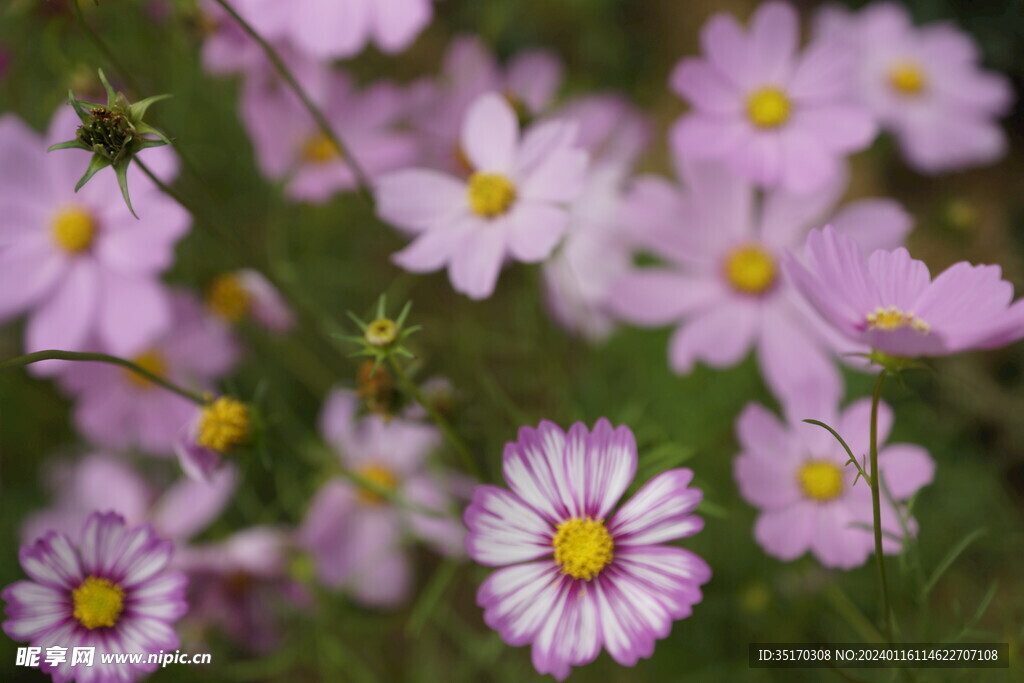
(583, 547)
(894, 318)
(490, 194)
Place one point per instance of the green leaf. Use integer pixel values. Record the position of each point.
(121, 171)
(96, 164)
(137, 111)
(430, 597)
(950, 558)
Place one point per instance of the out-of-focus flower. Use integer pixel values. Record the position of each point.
(109, 589)
(219, 428)
(354, 534)
(597, 248)
(290, 147)
(118, 409)
(79, 263)
(101, 482)
(778, 117)
(925, 85)
(724, 283)
(575, 576)
(246, 293)
(529, 82)
(513, 204)
(239, 583)
(889, 302)
(796, 474)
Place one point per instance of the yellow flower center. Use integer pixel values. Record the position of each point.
(750, 269)
(74, 229)
(97, 602)
(907, 78)
(821, 480)
(768, 107)
(227, 297)
(379, 475)
(151, 360)
(381, 332)
(320, 149)
(583, 547)
(490, 194)
(224, 425)
(894, 318)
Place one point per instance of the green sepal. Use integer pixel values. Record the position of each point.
(96, 164)
(70, 144)
(138, 110)
(121, 171)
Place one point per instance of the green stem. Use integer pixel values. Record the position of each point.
(54, 354)
(876, 508)
(307, 102)
(439, 419)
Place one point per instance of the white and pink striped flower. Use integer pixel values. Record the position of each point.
(576, 576)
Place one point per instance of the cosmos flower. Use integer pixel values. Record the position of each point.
(118, 409)
(776, 116)
(723, 283)
(246, 293)
(795, 474)
(83, 268)
(598, 247)
(576, 576)
(355, 535)
(890, 303)
(513, 204)
(291, 148)
(925, 85)
(101, 482)
(218, 429)
(108, 587)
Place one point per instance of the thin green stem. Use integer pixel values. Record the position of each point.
(876, 508)
(307, 102)
(414, 391)
(54, 354)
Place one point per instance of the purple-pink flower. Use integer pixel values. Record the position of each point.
(83, 268)
(796, 475)
(217, 429)
(118, 409)
(513, 204)
(576, 575)
(776, 116)
(354, 534)
(107, 587)
(889, 302)
(925, 85)
(247, 293)
(723, 283)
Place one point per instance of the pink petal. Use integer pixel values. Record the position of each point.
(435, 247)
(660, 511)
(773, 34)
(786, 533)
(534, 468)
(519, 600)
(793, 358)
(786, 217)
(658, 296)
(720, 337)
(28, 271)
(475, 266)
(601, 464)
(722, 39)
(535, 230)
(705, 88)
(134, 310)
(571, 636)
(534, 76)
(504, 530)
(905, 469)
(418, 199)
(874, 223)
(705, 137)
(807, 165)
(65, 320)
(843, 128)
(396, 23)
(836, 541)
(490, 134)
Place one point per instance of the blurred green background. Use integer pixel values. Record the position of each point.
(511, 365)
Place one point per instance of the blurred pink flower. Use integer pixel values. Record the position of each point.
(291, 148)
(776, 116)
(514, 203)
(80, 264)
(570, 582)
(598, 247)
(216, 429)
(529, 82)
(101, 482)
(889, 302)
(356, 536)
(723, 280)
(116, 408)
(795, 474)
(247, 293)
(925, 85)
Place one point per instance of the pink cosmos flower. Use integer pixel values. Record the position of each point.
(723, 283)
(82, 267)
(529, 82)
(925, 85)
(216, 429)
(597, 249)
(795, 474)
(118, 409)
(355, 535)
(576, 576)
(246, 293)
(778, 117)
(108, 587)
(513, 204)
(291, 148)
(101, 482)
(889, 302)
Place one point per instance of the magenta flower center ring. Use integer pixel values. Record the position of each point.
(821, 480)
(768, 107)
(894, 318)
(490, 194)
(907, 78)
(583, 547)
(750, 269)
(74, 229)
(97, 603)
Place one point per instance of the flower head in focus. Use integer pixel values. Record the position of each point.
(222, 427)
(576, 575)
